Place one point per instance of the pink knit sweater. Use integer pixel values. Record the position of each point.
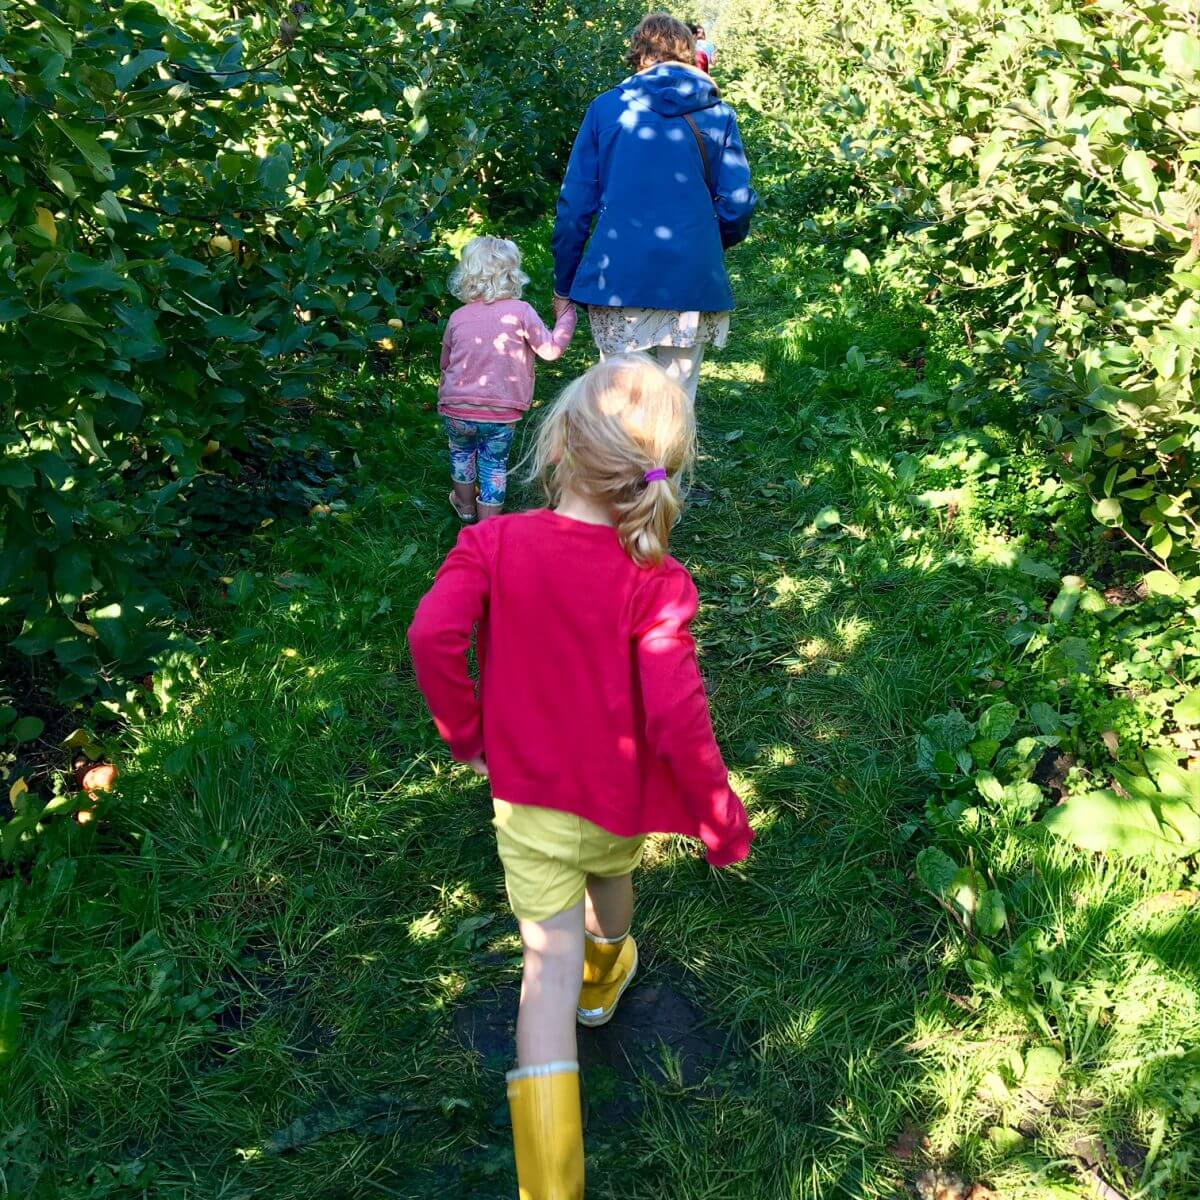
(488, 358)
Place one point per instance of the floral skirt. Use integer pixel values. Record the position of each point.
(618, 330)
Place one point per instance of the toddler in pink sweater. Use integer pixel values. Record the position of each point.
(487, 370)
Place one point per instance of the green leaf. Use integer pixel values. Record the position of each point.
(1181, 53)
(26, 729)
(10, 1015)
(1067, 600)
(72, 575)
(15, 474)
(242, 588)
(1137, 170)
(1042, 1069)
(94, 154)
(1045, 718)
(856, 262)
(990, 158)
(937, 871)
(1067, 29)
(1161, 583)
(110, 206)
(128, 72)
(990, 915)
(1107, 512)
(1187, 711)
(1132, 826)
(233, 328)
(998, 721)
(827, 518)
(110, 625)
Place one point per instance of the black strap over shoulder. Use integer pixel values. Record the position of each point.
(708, 179)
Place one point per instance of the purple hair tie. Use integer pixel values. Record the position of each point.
(655, 474)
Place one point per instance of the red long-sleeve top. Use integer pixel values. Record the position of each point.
(590, 698)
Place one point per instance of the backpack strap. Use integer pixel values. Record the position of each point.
(708, 180)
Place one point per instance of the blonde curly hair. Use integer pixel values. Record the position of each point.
(623, 418)
(489, 270)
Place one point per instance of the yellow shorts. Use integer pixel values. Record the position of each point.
(547, 856)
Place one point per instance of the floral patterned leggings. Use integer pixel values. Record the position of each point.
(479, 450)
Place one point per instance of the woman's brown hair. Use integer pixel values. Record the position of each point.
(661, 38)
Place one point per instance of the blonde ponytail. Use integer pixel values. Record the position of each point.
(623, 421)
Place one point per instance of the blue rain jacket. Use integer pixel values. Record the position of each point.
(636, 170)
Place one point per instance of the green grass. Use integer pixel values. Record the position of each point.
(243, 981)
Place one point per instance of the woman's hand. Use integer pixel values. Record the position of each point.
(561, 305)
(478, 766)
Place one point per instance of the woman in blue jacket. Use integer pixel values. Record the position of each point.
(659, 167)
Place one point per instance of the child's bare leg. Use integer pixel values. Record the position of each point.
(464, 497)
(609, 905)
(550, 988)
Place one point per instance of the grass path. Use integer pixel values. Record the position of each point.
(306, 895)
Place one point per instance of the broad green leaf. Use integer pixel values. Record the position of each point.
(1133, 826)
(27, 729)
(1045, 718)
(1138, 171)
(94, 154)
(15, 473)
(998, 721)
(856, 262)
(1067, 600)
(990, 915)
(1067, 28)
(1187, 711)
(990, 158)
(126, 73)
(1161, 583)
(1181, 53)
(1042, 1067)
(937, 871)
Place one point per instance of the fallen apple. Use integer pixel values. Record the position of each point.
(96, 777)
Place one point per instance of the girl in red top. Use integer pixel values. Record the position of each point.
(590, 718)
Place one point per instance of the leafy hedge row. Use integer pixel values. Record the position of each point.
(1032, 176)
(1046, 165)
(204, 216)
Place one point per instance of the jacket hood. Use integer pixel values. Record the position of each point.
(670, 89)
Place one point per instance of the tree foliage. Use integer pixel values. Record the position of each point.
(1045, 163)
(207, 211)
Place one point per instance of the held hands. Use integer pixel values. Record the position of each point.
(561, 305)
(478, 766)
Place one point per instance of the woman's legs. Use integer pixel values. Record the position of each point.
(682, 364)
(553, 968)
(494, 445)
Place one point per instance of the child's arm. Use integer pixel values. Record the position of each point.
(544, 343)
(447, 344)
(439, 638)
(678, 724)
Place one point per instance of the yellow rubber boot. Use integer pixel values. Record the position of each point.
(547, 1131)
(609, 965)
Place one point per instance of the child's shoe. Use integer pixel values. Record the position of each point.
(547, 1131)
(609, 965)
